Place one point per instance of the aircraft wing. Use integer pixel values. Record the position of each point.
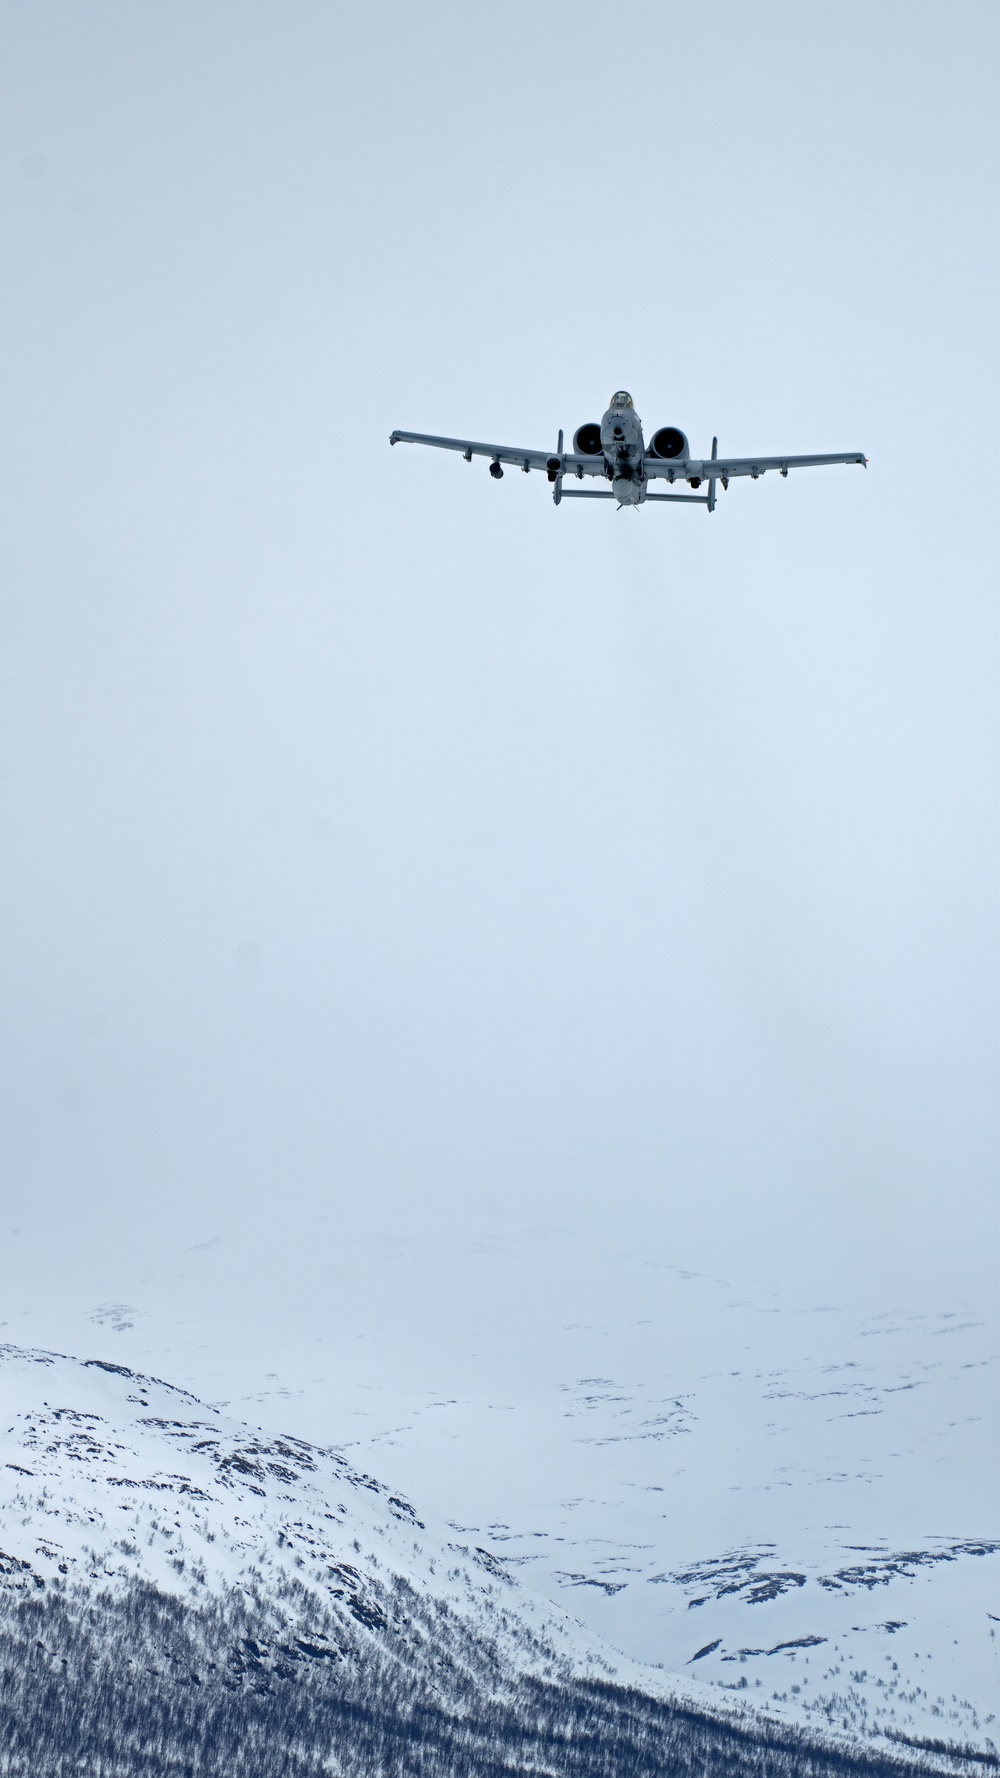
(521, 459)
(724, 467)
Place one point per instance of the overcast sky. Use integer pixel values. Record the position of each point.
(389, 854)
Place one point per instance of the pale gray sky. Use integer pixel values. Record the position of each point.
(384, 846)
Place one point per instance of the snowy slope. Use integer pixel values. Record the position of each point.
(794, 1501)
(815, 1524)
(768, 1491)
(110, 1477)
(818, 1527)
(107, 1477)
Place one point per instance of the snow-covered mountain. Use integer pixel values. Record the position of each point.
(804, 1509)
(774, 1492)
(115, 1487)
(109, 1477)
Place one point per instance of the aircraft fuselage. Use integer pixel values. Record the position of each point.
(624, 451)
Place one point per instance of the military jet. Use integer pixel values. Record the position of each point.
(615, 452)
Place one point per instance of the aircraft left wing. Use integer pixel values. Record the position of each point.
(723, 467)
(521, 459)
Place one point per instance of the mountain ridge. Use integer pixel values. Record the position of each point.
(128, 1501)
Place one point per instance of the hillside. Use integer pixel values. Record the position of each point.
(183, 1592)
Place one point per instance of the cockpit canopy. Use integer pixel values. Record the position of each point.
(621, 398)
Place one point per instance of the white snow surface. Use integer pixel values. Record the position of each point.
(775, 1495)
(106, 1475)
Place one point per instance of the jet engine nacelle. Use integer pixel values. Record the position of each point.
(669, 442)
(587, 440)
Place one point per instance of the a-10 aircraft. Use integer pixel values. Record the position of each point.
(615, 452)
